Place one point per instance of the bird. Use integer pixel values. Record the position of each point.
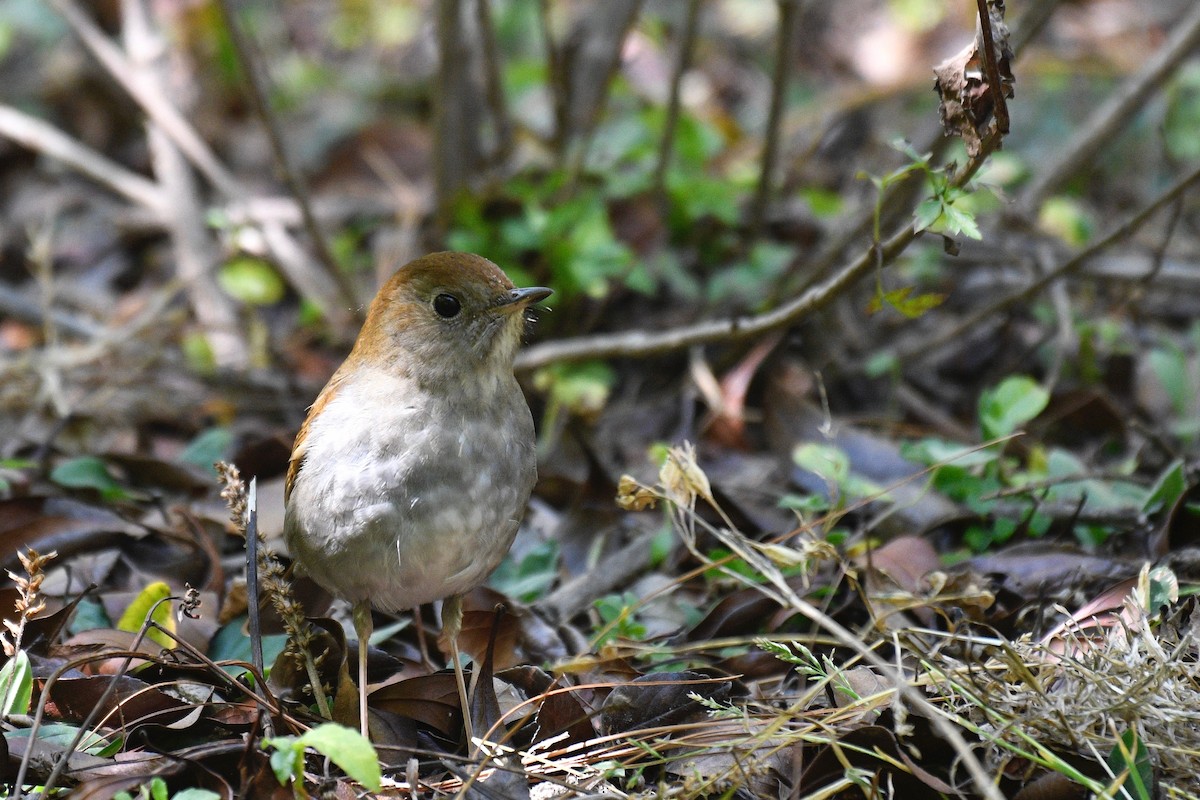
(410, 476)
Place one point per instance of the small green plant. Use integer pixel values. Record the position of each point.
(529, 578)
(156, 789)
(983, 478)
(947, 210)
(806, 663)
(617, 619)
(347, 748)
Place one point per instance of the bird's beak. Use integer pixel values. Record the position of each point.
(520, 298)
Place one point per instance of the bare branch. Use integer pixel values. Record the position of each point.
(995, 84)
(41, 137)
(456, 146)
(196, 254)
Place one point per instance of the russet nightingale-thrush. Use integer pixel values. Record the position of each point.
(409, 478)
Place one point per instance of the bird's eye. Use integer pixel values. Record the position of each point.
(447, 305)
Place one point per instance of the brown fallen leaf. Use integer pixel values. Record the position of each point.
(967, 100)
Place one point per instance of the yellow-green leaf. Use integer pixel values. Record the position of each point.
(135, 615)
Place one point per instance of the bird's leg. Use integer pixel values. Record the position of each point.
(422, 645)
(362, 627)
(452, 616)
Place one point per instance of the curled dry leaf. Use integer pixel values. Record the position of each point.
(967, 100)
(632, 496)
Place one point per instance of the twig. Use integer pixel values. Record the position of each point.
(995, 85)
(1159, 256)
(48, 140)
(788, 12)
(926, 348)
(256, 88)
(1112, 115)
(687, 46)
(17, 304)
(195, 251)
(640, 344)
(100, 703)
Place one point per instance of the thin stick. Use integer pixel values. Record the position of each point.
(256, 652)
(452, 616)
(48, 140)
(995, 84)
(557, 77)
(193, 246)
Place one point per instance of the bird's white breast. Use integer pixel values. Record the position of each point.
(403, 498)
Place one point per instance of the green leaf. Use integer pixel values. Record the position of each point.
(347, 748)
(826, 461)
(195, 794)
(251, 280)
(806, 504)
(1164, 589)
(528, 579)
(833, 466)
(1005, 408)
(1182, 119)
(581, 388)
(959, 220)
(1167, 490)
(88, 472)
(882, 363)
(903, 300)
(1131, 757)
(16, 685)
(287, 758)
(927, 212)
(1066, 218)
(939, 451)
(232, 644)
(89, 616)
(822, 202)
(617, 615)
(209, 447)
(198, 353)
(1170, 365)
(149, 601)
(60, 734)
